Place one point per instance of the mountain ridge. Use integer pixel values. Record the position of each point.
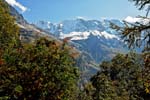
(84, 32)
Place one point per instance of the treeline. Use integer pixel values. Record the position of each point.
(45, 70)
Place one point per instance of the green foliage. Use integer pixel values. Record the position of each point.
(86, 93)
(119, 79)
(146, 72)
(138, 35)
(8, 29)
(40, 71)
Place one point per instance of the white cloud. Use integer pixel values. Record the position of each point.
(17, 4)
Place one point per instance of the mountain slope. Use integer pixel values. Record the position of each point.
(28, 32)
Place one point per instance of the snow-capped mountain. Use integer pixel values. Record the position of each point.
(95, 37)
(78, 25)
(84, 25)
(81, 29)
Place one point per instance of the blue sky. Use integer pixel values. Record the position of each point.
(58, 10)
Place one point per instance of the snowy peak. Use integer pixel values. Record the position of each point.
(86, 35)
(80, 25)
(81, 28)
(133, 20)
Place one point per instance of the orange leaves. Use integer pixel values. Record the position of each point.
(1, 61)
